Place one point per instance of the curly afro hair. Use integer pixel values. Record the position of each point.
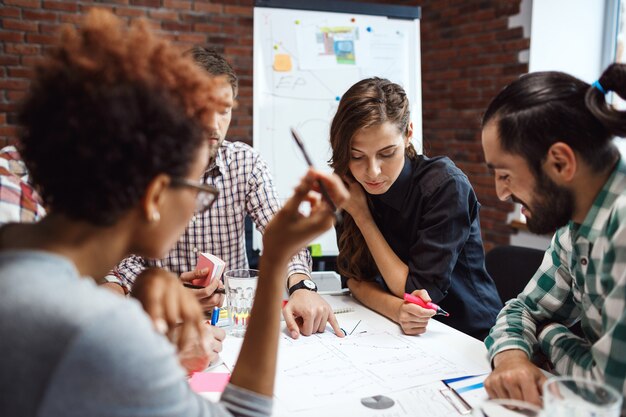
(110, 108)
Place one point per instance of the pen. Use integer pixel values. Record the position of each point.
(215, 316)
(323, 189)
(200, 287)
(409, 298)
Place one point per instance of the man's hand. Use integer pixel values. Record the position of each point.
(515, 377)
(205, 296)
(412, 318)
(307, 313)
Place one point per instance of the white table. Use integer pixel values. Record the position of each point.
(323, 375)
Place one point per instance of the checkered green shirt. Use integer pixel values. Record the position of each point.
(582, 277)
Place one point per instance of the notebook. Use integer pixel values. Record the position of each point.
(215, 265)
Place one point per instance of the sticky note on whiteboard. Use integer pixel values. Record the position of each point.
(282, 63)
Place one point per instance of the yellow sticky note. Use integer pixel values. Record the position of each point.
(282, 63)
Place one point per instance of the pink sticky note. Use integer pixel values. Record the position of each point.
(209, 381)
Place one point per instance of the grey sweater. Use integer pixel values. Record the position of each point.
(69, 348)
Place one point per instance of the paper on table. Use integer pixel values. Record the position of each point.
(425, 400)
(333, 370)
(209, 381)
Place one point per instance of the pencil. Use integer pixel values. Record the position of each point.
(323, 189)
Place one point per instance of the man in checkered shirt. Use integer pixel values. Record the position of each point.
(246, 188)
(19, 201)
(548, 137)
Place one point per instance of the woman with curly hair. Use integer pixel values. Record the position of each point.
(412, 223)
(113, 133)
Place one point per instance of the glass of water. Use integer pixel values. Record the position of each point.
(240, 289)
(568, 396)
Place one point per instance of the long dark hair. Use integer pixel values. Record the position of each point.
(543, 108)
(370, 102)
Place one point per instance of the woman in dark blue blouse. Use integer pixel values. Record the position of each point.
(412, 223)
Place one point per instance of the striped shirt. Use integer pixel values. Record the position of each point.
(19, 202)
(582, 277)
(246, 188)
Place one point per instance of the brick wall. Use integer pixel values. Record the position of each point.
(468, 54)
(28, 27)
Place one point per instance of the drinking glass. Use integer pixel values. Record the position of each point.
(240, 289)
(568, 396)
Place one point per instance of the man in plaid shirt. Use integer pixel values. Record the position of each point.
(552, 152)
(246, 188)
(19, 201)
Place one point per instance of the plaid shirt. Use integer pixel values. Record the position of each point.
(246, 187)
(582, 277)
(19, 202)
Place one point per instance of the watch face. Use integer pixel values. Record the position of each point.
(309, 284)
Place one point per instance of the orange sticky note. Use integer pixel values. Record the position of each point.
(209, 381)
(282, 63)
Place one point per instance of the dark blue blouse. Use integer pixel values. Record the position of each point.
(429, 218)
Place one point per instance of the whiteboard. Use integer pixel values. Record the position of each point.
(304, 61)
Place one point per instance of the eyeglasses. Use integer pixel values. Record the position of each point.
(207, 194)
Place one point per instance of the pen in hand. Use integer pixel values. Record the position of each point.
(409, 298)
(323, 189)
(200, 287)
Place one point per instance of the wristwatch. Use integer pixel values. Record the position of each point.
(306, 284)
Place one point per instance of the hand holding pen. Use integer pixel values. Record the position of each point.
(413, 316)
(321, 186)
(410, 298)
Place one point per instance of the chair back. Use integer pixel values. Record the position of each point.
(511, 267)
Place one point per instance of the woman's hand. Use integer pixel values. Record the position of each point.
(199, 352)
(412, 318)
(357, 203)
(169, 305)
(290, 230)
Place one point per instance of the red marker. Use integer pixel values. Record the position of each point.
(431, 306)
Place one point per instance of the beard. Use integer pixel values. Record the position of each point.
(553, 207)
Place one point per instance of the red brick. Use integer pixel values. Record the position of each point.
(11, 37)
(203, 27)
(48, 28)
(9, 12)
(21, 72)
(32, 4)
(208, 7)
(177, 4)
(245, 11)
(66, 6)
(15, 95)
(13, 84)
(146, 3)
(8, 130)
(191, 38)
(39, 15)
(9, 60)
(72, 18)
(30, 60)
(163, 15)
(21, 25)
(176, 27)
(22, 49)
(129, 11)
(42, 39)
